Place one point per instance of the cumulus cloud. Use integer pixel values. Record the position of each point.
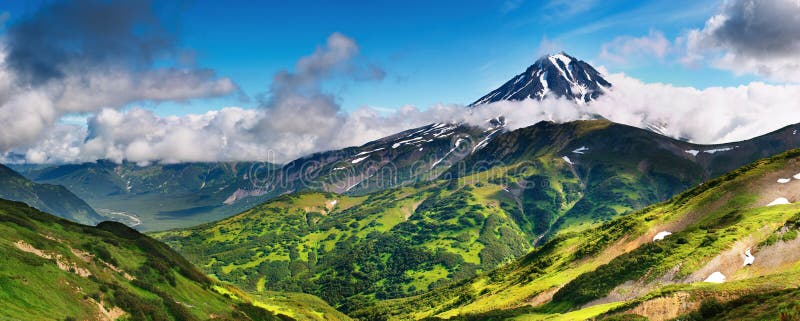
(297, 117)
(623, 49)
(750, 36)
(709, 116)
(86, 55)
(67, 35)
(713, 115)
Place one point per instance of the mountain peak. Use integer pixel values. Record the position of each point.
(554, 75)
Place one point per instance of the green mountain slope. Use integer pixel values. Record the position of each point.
(164, 196)
(619, 269)
(352, 250)
(608, 159)
(387, 244)
(46, 197)
(621, 167)
(53, 269)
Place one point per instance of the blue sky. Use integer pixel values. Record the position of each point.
(432, 51)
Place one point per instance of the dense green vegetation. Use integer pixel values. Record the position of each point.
(349, 249)
(53, 269)
(524, 228)
(782, 305)
(614, 268)
(352, 250)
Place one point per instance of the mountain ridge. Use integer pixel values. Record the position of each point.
(463, 223)
(55, 269)
(622, 270)
(555, 75)
(46, 197)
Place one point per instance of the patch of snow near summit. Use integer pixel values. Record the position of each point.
(369, 151)
(566, 159)
(796, 176)
(693, 152)
(358, 160)
(457, 144)
(779, 201)
(486, 139)
(581, 150)
(784, 180)
(661, 235)
(408, 141)
(715, 277)
(725, 149)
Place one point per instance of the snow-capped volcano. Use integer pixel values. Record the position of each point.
(558, 75)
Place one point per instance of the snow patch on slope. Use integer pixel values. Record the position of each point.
(581, 150)
(358, 160)
(748, 258)
(661, 235)
(715, 277)
(779, 201)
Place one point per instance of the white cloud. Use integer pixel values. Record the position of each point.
(54, 64)
(750, 37)
(113, 88)
(24, 116)
(713, 115)
(624, 49)
(27, 111)
(296, 119)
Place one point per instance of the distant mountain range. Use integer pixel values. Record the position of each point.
(157, 197)
(50, 198)
(555, 76)
(162, 196)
